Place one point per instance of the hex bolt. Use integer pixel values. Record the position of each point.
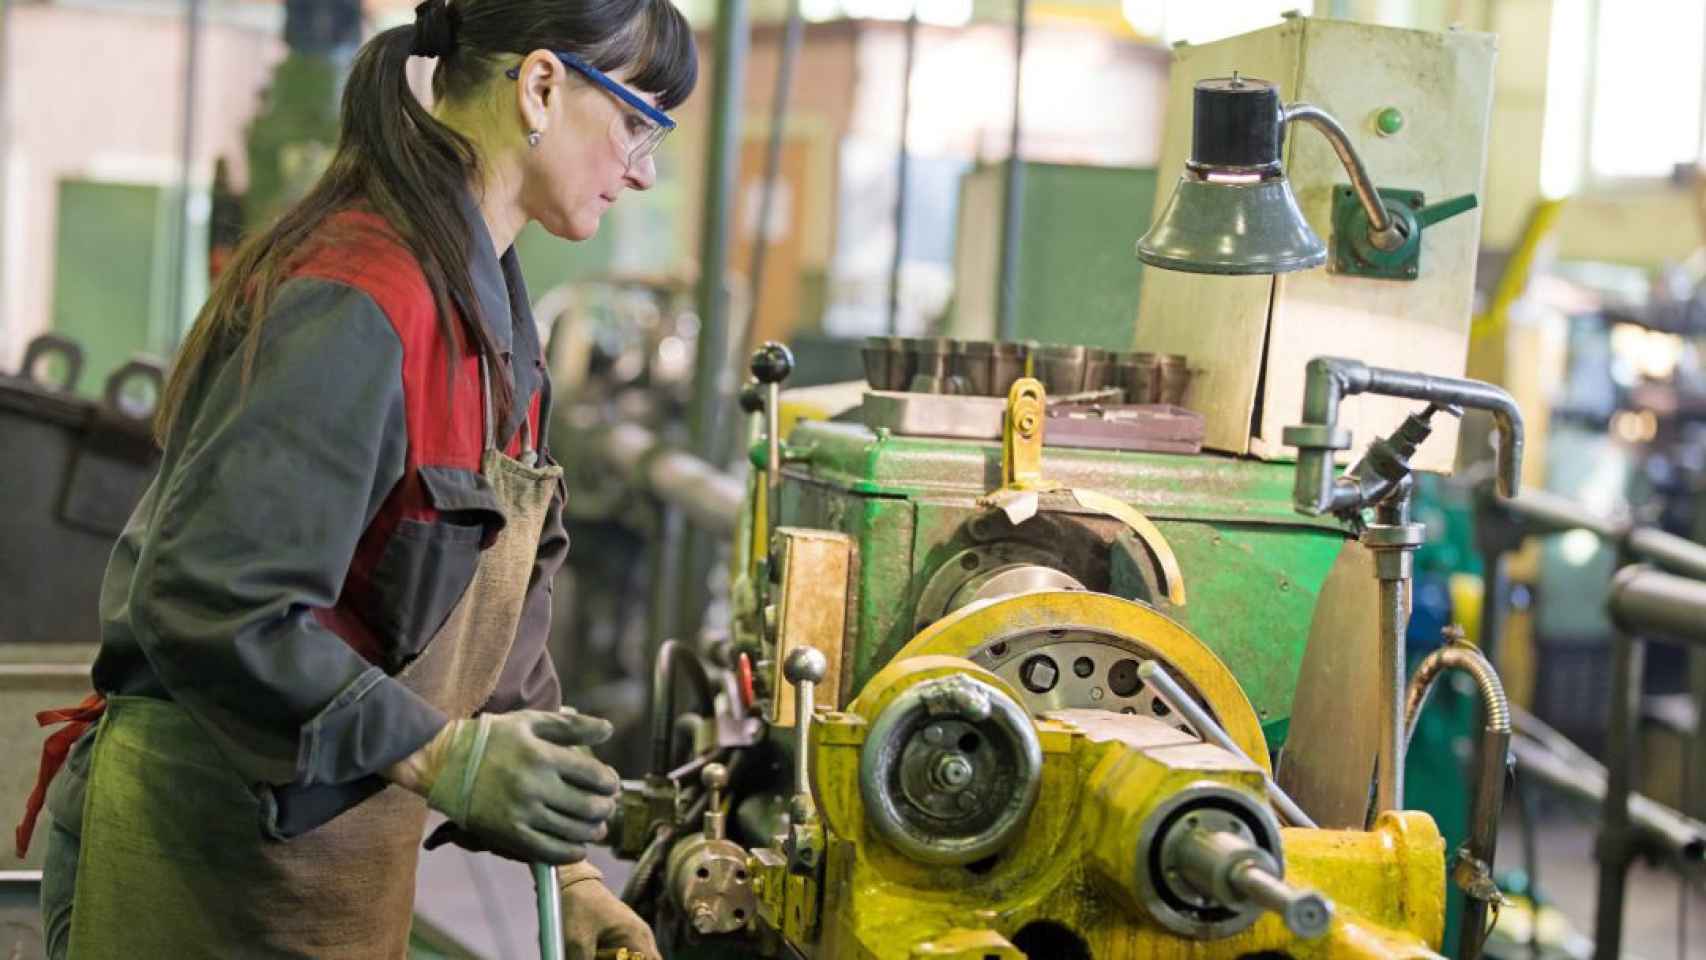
(1039, 674)
(953, 771)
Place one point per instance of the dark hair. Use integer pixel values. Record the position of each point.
(395, 159)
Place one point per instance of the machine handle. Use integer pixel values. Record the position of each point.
(1446, 209)
(805, 668)
(771, 364)
(715, 777)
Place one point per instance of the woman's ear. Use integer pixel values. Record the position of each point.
(537, 88)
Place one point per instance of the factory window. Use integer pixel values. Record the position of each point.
(1639, 66)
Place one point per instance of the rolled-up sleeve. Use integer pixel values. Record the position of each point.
(255, 529)
(529, 678)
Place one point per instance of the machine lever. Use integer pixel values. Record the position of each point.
(715, 777)
(1174, 696)
(771, 364)
(805, 667)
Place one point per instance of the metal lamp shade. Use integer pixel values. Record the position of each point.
(1232, 228)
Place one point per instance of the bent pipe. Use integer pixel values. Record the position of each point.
(1328, 380)
(672, 656)
(1645, 601)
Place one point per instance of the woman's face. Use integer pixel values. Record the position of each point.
(581, 165)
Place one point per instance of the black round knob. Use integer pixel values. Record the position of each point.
(752, 398)
(772, 363)
(1237, 124)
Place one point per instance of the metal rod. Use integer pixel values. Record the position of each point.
(1382, 231)
(550, 898)
(707, 497)
(1627, 655)
(772, 462)
(179, 257)
(1182, 703)
(1484, 812)
(793, 31)
(1306, 912)
(1012, 201)
(1389, 757)
(901, 161)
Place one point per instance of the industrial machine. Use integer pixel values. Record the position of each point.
(991, 697)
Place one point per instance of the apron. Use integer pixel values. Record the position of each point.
(173, 861)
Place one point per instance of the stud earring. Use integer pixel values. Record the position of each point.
(533, 138)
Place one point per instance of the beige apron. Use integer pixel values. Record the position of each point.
(173, 862)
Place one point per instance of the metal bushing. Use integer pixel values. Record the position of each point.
(1171, 900)
(950, 770)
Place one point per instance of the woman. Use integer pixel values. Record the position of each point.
(329, 610)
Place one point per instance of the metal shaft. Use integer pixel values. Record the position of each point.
(1305, 912)
(1389, 758)
(804, 697)
(772, 461)
(1615, 848)
(1168, 689)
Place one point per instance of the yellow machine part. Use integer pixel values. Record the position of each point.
(1067, 867)
(965, 631)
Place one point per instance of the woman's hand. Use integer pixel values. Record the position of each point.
(594, 919)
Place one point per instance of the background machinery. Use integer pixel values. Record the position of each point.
(985, 697)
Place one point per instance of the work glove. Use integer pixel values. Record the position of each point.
(522, 784)
(594, 919)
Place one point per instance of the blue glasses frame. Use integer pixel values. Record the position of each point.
(604, 80)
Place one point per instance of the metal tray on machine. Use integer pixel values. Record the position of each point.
(1158, 428)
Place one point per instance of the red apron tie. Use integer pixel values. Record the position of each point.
(53, 753)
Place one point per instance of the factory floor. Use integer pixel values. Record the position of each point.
(487, 903)
(1569, 880)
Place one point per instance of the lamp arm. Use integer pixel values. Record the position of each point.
(1383, 231)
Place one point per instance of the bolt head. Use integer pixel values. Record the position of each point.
(934, 734)
(1039, 674)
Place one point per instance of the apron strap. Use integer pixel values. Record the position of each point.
(76, 720)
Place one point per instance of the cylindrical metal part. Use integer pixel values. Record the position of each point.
(1236, 124)
(1175, 377)
(1389, 756)
(1060, 367)
(1306, 913)
(1584, 779)
(1184, 705)
(1139, 375)
(1614, 847)
(1646, 601)
(1669, 551)
(888, 364)
(1484, 813)
(772, 461)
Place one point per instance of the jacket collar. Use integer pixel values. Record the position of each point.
(505, 310)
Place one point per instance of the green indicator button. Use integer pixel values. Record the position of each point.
(1389, 121)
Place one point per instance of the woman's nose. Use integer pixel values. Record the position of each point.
(643, 174)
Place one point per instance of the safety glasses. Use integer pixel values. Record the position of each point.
(639, 129)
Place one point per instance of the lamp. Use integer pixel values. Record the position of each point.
(1233, 211)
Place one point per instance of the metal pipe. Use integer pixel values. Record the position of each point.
(1645, 601)
(793, 31)
(708, 497)
(1614, 849)
(1492, 766)
(1458, 656)
(1012, 202)
(1389, 755)
(673, 655)
(1328, 380)
(1164, 686)
(1383, 231)
(6, 61)
(179, 257)
(1584, 779)
(901, 162)
(722, 164)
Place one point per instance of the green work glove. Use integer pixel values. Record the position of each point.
(595, 919)
(523, 783)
